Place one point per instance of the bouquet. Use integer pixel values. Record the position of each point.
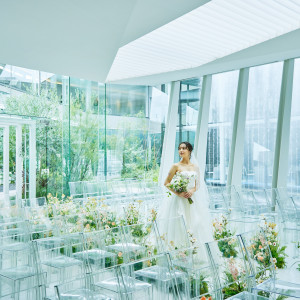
(179, 184)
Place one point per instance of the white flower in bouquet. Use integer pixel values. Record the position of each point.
(179, 184)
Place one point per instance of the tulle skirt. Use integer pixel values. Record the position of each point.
(196, 218)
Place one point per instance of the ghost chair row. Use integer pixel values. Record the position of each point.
(244, 264)
(141, 262)
(19, 271)
(147, 278)
(83, 189)
(238, 202)
(87, 253)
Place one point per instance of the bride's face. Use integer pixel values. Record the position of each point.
(183, 151)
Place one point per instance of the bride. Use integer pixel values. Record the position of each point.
(196, 215)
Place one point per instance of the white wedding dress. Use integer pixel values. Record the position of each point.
(196, 215)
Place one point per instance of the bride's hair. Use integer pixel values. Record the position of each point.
(188, 145)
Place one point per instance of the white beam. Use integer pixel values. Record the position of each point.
(19, 164)
(6, 165)
(238, 134)
(167, 158)
(32, 161)
(281, 156)
(14, 120)
(202, 124)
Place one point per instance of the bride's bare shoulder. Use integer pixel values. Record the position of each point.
(175, 166)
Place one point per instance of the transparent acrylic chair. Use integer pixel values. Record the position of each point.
(151, 278)
(248, 296)
(217, 204)
(194, 280)
(261, 267)
(173, 233)
(21, 273)
(14, 239)
(264, 202)
(58, 259)
(85, 287)
(28, 293)
(80, 222)
(289, 211)
(247, 200)
(11, 214)
(141, 240)
(91, 189)
(120, 188)
(48, 229)
(227, 260)
(76, 189)
(99, 251)
(134, 187)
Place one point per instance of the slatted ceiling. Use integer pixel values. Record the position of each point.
(212, 31)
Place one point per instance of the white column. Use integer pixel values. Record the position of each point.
(222, 152)
(202, 124)
(19, 164)
(167, 158)
(238, 134)
(32, 160)
(281, 156)
(6, 165)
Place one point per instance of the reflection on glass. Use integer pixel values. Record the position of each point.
(261, 123)
(85, 130)
(190, 92)
(221, 113)
(293, 180)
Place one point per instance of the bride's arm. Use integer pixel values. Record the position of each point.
(169, 178)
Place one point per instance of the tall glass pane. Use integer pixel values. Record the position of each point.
(127, 124)
(32, 95)
(261, 123)
(293, 180)
(221, 114)
(84, 127)
(159, 103)
(190, 91)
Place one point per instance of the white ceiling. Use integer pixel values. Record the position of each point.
(79, 38)
(206, 34)
(146, 42)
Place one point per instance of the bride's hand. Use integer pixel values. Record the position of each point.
(181, 194)
(188, 194)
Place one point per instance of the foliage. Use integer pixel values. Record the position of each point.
(69, 135)
(180, 183)
(235, 278)
(221, 234)
(199, 285)
(260, 249)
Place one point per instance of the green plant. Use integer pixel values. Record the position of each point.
(222, 234)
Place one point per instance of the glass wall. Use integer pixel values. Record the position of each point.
(221, 114)
(85, 130)
(188, 107)
(293, 180)
(261, 123)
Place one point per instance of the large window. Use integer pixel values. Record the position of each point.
(261, 123)
(190, 92)
(85, 130)
(293, 180)
(221, 113)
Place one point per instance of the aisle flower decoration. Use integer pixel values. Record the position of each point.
(235, 278)
(221, 234)
(269, 236)
(132, 214)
